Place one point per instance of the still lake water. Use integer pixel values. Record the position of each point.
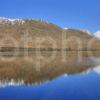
(78, 87)
(85, 86)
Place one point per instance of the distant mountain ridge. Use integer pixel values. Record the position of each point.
(17, 28)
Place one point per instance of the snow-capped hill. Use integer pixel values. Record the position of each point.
(82, 30)
(7, 21)
(86, 31)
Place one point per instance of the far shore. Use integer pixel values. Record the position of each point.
(8, 49)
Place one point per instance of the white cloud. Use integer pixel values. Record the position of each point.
(66, 28)
(97, 34)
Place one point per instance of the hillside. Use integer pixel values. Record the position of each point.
(29, 33)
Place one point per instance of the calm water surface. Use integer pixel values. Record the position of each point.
(79, 86)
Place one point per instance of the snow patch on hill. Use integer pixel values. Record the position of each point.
(86, 31)
(11, 21)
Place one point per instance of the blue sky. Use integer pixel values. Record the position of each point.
(83, 14)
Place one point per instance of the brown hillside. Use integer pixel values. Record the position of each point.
(15, 33)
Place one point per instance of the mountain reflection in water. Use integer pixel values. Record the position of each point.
(34, 70)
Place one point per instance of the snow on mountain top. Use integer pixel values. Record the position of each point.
(12, 21)
(9, 19)
(86, 31)
(83, 30)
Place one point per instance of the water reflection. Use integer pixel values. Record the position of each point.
(84, 86)
(97, 69)
(23, 71)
